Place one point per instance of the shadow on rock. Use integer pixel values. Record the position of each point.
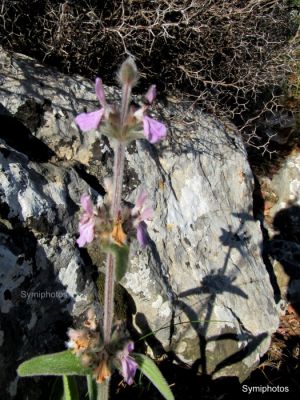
(284, 247)
(34, 317)
(19, 136)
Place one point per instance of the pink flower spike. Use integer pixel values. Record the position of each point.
(154, 130)
(100, 92)
(129, 365)
(87, 222)
(89, 121)
(151, 94)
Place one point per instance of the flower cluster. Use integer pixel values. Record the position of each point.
(94, 222)
(97, 221)
(137, 124)
(87, 344)
(128, 364)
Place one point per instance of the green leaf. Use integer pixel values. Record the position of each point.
(121, 254)
(70, 388)
(63, 363)
(149, 368)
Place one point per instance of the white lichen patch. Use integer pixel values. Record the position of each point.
(165, 311)
(158, 302)
(190, 200)
(31, 203)
(294, 162)
(181, 347)
(68, 277)
(56, 191)
(139, 281)
(295, 190)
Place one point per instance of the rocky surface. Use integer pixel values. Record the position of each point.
(43, 277)
(201, 286)
(282, 222)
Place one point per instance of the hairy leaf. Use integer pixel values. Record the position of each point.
(121, 254)
(63, 363)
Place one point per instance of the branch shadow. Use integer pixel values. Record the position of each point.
(285, 248)
(212, 286)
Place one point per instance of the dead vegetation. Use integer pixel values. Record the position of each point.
(233, 58)
(281, 363)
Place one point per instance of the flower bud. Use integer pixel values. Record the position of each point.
(151, 94)
(128, 73)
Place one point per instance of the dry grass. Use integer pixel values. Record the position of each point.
(281, 363)
(232, 58)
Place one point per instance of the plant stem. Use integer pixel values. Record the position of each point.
(103, 390)
(118, 177)
(126, 93)
(110, 263)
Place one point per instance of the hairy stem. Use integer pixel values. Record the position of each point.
(126, 93)
(110, 263)
(118, 177)
(109, 297)
(103, 390)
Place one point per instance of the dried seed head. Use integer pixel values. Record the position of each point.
(102, 372)
(91, 321)
(79, 340)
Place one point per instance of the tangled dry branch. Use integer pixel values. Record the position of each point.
(231, 57)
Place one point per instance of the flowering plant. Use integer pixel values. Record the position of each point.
(93, 350)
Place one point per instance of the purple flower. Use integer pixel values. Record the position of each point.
(129, 366)
(90, 121)
(142, 212)
(151, 94)
(87, 222)
(154, 130)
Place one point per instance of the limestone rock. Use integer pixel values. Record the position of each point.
(43, 280)
(202, 279)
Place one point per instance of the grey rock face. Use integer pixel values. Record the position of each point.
(282, 221)
(43, 278)
(202, 279)
(201, 286)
